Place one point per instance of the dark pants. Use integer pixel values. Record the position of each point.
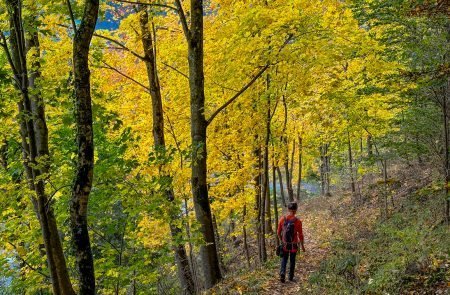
(284, 260)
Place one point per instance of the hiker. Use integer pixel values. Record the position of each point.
(291, 234)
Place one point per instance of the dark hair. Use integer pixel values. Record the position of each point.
(292, 206)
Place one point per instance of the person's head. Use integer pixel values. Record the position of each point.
(292, 207)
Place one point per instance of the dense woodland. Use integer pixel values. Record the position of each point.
(150, 147)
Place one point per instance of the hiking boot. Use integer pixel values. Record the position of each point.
(282, 279)
(293, 280)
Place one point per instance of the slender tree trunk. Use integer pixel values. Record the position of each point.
(202, 207)
(184, 271)
(446, 157)
(325, 169)
(369, 146)
(280, 177)
(85, 143)
(300, 166)
(350, 163)
(275, 206)
(265, 190)
(244, 229)
(291, 169)
(219, 245)
(34, 136)
(288, 181)
(4, 154)
(257, 181)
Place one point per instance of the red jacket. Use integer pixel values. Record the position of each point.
(298, 236)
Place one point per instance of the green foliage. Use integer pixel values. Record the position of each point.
(407, 251)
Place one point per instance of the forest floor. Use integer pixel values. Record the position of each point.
(350, 249)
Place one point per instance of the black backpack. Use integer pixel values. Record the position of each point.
(288, 231)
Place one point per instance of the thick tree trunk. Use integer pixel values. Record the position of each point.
(198, 135)
(34, 136)
(85, 146)
(184, 270)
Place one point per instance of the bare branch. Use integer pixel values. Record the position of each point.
(234, 97)
(183, 20)
(109, 67)
(120, 45)
(36, 269)
(176, 70)
(4, 44)
(148, 4)
(72, 18)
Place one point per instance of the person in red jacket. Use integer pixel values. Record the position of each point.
(291, 234)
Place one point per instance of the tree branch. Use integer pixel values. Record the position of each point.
(109, 67)
(72, 18)
(120, 45)
(183, 20)
(175, 69)
(148, 4)
(4, 44)
(234, 97)
(36, 269)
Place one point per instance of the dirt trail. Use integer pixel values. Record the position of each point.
(306, 263)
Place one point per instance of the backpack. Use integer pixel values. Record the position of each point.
(288, 232)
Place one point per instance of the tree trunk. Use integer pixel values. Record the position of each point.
(350, 163)
(34, 136)
(325, 169)
(280, 177)
(85, 143)
(446, 157)
(258, 209)
(266, 191)
(244, 229)
(275, 206)
(184, 270)
(369, 146)
(288, 180)
(198, 135)
(300, 166)
(4, 154)
(291, 169)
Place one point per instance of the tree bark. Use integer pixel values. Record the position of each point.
(184, 270)
(202, 207)
(85, 146)
(280, 177)
(34, 136)
(275, 205)
(350, 163)
(244, 230)
(300, 166)
(266, 191)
